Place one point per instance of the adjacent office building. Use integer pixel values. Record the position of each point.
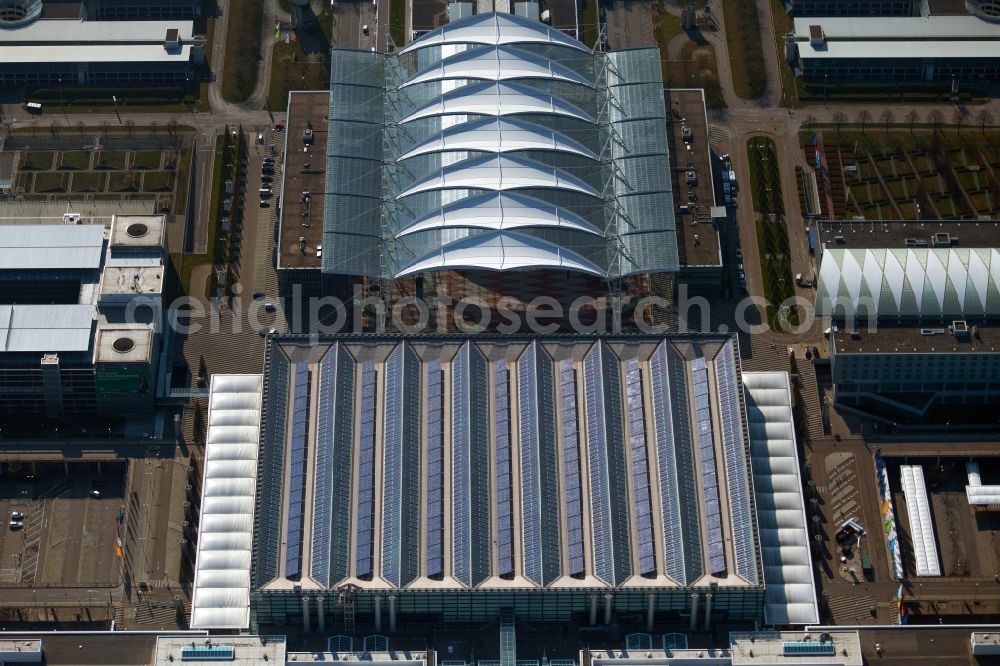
(856, 7)
(913, 309)
(37, 51)
(963, 48)
(80, 306)
(493, 156)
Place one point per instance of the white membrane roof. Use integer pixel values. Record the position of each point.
(221, 598)
(495, 28)
(789, 593)
(500, 251)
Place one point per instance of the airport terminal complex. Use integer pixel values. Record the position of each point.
(487, 475)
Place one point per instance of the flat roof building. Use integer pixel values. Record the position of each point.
(920, 49)
(445, 169)
(71, 52)
(534, 474)
(855, 7)
(80, 309)
(914, 307)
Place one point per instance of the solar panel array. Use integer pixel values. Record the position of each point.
(608, 508)
(472, 526)
(531, 486)
(297, 471)
(808, 648)
(709, 475)
(572, 486)
(401, 467)
(365, 522)
(504, 485)
(642, 501)
(435, 470)
(332, 474)
(270, 471)
(564, 431)
(539, 466)
(734, 445)
(666, 458)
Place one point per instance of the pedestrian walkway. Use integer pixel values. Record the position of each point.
(811, 409)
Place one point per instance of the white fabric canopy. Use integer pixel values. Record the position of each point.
(789, 593)
(918, 512)
(221, 598)
(500, 251)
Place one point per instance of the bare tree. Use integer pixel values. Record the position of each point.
(104, 127)
(839, 118)
(172, 126)
(129, 124)
(810, 121)
(911, 118)
(936, 118)
(34, 127)
(984, 119)
(887, 117)
(79, 127)
(958, 119)
(864, 117)
(54, 129)
(155, 125)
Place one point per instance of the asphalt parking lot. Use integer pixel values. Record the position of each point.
(69, 528)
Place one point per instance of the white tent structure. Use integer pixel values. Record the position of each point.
(918, 512)
(221, 598)
(790, 591)
(976, 492)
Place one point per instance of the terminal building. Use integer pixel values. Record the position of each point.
(74, 51)
(913, 308)
(390, 479)
(80, 310)
(493, 156)
(963, 48)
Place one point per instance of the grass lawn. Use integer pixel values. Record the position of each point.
(746, 53)
(35, 160)
(291, 69)
(183, 176)
(170, 160)
(146, 159)
(158, 181)
(791, 85)
(88, 181)
(75, 159)
(589, 23)
(50, 182)
(124, 181)
(111, 159)
(244, 23)
(695, 69)
(397, 22)
(666, 26)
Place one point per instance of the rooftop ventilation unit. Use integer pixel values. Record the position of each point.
(942, 239)
(960, 329)
(71, 218)
(932, 331)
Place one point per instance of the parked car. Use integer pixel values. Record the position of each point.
(279, 127)
(269, 307)
(16, 515)
(15, 525)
